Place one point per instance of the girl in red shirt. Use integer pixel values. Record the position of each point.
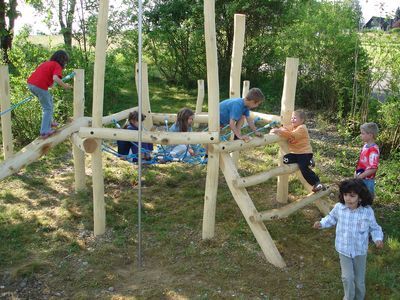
(39, 82)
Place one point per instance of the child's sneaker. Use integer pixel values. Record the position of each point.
(318, 187)
(54, 124)
(312, 163)
(47, 134)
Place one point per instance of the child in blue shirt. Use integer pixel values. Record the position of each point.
(233, 112)
(354, 220)
(125, 146)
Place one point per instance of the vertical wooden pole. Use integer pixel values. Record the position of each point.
(287, 107)
(99, 212)
(79, 109)
(6, 118)
(210, 197)
(200, 96)
(237, 55)
(146, 109)
(236, 65)
(246, 88)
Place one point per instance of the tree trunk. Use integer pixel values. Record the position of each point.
(7, 34)
(66, 27)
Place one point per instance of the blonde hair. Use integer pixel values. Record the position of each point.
(301, 114)
(370, 128)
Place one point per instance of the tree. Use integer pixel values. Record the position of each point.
(397, 14)
(66, 10)
(8, 14)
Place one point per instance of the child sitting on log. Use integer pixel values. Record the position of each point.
(124, 147)
(184, 121)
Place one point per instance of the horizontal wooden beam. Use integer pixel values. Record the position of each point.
(265, 117)
(171, 118)
(231, 146)
(287, 210)
(87, 145)
(264, 176)
(155, 137)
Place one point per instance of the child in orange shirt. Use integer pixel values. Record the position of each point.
(299, 148)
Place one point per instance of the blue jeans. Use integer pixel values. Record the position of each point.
(46, 101)
(353, 276)
(370, 183)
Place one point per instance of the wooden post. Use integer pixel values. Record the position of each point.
(246, 88)
(99, 212)
(236, 64)
(146, 110)
(6, 118)
(79, 108)
(210, 197)
(200, 96)
(237, 55)
(287, 107)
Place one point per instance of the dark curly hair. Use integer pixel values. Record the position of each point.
(61, 57)
(356, 186)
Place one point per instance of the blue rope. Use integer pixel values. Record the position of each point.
(269, 125)
(29, 98)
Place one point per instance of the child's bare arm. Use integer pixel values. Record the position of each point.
(252, 126)
(366, 173)
(379, 244)
(317, 225)
(236, 130)
(61, 83)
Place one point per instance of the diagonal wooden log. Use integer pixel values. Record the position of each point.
(248, 209)
(38, 148)
(287, 210)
